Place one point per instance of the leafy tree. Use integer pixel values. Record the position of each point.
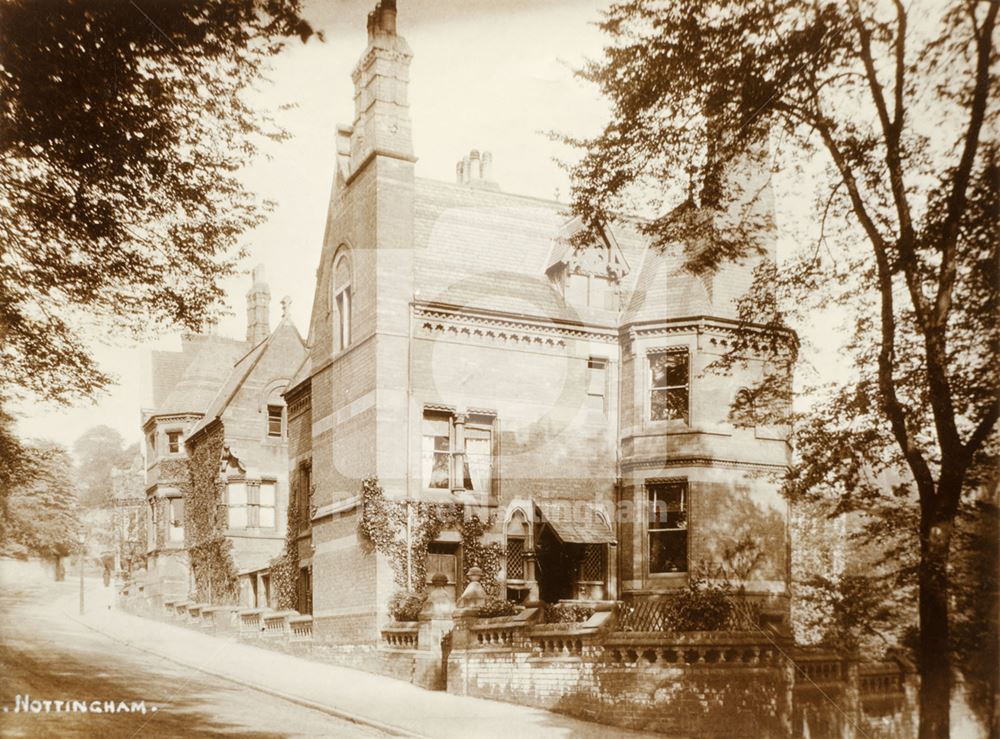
(122, 128)
(99, 450)
(15, 467)
(41, 513)
(897, 102)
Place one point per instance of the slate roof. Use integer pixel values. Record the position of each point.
(663, 289)
(213, 359)
(238, 374)
(489, 250)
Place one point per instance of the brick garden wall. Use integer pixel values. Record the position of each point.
(647, 686)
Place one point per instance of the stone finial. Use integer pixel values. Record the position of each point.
(286, 306)
(439, 603)
(474, 596)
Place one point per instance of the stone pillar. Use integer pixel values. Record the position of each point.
(467, 611)
(436, 625)
(458, 456)
(529, 574)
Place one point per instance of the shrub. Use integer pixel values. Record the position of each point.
(700, 607)
(566, 613)
(405, 605)
(498, 607)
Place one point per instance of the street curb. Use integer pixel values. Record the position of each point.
(305, 702)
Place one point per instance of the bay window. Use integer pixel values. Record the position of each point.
(667, 527)
(176, 522)
(668, 385)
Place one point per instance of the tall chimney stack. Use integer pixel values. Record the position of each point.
(258, 308)
(381, 105)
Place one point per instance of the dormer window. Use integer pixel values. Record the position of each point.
(587, 275)
(591, 291)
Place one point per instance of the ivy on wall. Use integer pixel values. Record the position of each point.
(284, 568)
(212, 566)
(384, 524)
(173, 473)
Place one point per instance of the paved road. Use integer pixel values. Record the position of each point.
(47, 656)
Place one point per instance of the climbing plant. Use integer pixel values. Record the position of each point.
(384, 524)
(212, 565)
(284, 567)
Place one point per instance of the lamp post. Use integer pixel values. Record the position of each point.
(81, 539)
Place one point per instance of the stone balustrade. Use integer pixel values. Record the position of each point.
(251, 621)
(181, 608)
(881, 678)
(220, 619)
(276, 623)
(194, 611)
(501, 632)
(596, 670)
(401, 635)
(300, 628)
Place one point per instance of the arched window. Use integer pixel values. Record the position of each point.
(743, 411)
(342, 301)
(517, 538)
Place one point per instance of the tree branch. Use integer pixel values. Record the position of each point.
(956, 200)
(887, 384)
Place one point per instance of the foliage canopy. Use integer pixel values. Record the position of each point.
(123, 126)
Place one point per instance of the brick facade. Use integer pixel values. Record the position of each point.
(475, 309)
(211, 433)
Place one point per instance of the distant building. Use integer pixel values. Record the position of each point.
(216, 451)
(128, 515)
(465, 348)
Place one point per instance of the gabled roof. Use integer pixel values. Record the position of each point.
(303, 373)
(242, 369)
(565, 251)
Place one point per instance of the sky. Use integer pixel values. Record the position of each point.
(493, 75)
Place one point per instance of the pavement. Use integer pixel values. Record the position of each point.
(49, 660)
(355, 702)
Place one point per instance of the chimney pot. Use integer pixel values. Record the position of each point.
(387, 16)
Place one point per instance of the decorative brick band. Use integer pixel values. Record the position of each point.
(526, 331)
(659, 462)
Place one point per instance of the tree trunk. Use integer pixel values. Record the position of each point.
(935, 651)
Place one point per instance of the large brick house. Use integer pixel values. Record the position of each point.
(464, 348)
(216, 451)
